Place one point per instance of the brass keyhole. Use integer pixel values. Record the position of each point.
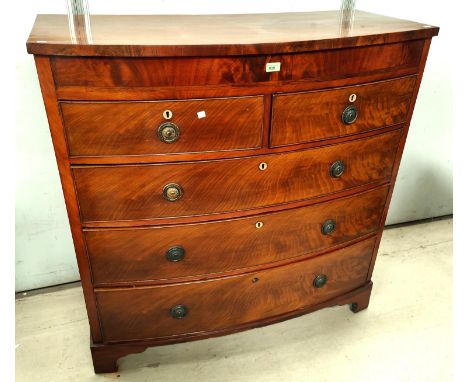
(259, 224)
(262, 166)
(167, 114)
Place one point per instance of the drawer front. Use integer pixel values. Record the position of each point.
(138, 128)
(317, 115)
(129, 255)
(139, 313)
(107, 193)
(205, 71)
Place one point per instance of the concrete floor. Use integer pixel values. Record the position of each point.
(404, 335)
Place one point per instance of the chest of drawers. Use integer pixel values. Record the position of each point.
(224, 172)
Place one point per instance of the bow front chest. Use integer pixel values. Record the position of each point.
(224, 172)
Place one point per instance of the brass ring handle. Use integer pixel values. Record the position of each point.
(349, 115)
(175, 254)
(179, 311)
(172, 192)
(168, 132)
(328, 227)
(337, 169)
(320, 281)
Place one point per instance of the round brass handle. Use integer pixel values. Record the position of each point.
(320, 281)
(337, 169)
(172, 192)
(179, 311)
(175, 254)
(349, 115)
(168, 132)
(328, 227)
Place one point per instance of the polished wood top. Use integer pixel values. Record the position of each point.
(206, 35)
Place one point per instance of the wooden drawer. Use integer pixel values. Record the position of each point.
(140, 313)
(311, 116)
(130, 192)
(131, 255)
(205, 71)
(131, 128)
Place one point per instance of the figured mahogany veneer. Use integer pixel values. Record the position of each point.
(267, 195)
(131, 128)
(230, 301)
(136, 192)
(317, 115)
(139, 254)
(245, 70)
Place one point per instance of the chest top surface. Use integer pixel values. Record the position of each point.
(208, 35)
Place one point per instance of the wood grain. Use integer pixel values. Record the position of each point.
(44, 73)
(231, 301)
(105, 356)
(311, 116)
(131, 128)
(238, 70)
(210, 155)
(169, 221)
(135, 255)
(399, 156)
(234, 276)
(109, 193)
(208, 35)
(138, 93)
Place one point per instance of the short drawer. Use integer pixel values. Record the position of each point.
(131, 192)
(317, 115)
(110, 72)
(160, 127)
(158, 253)
(178, 309)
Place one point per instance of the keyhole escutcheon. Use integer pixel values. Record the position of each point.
(167, 114)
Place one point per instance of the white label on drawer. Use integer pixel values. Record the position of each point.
(273, 66)
(201, 114)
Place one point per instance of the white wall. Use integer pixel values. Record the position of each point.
(44, 249)
(424, 184)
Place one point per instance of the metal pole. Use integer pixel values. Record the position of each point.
(347, 16)
(79, 21)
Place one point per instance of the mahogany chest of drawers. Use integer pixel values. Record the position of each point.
(224, 172)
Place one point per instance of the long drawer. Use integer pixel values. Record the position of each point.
(161, 311)
(164, 253)
(236, 70)
(107, 193)
(311, 116)
(158, 127)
